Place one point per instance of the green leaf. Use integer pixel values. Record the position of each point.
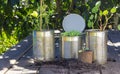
(95, 16)
(91, 17)
(65, 34)
(94, 10)
(105, 12)
(100, 13)
(34, 14)
(32, 1)
(113, 10)
(90, 23)
(71, 33)
(98, 4)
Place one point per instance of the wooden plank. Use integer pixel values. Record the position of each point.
(25, 65)
(13, 54)
(15, 57)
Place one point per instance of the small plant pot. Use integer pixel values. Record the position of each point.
(70, 47)
(86, 56)
(43, 45)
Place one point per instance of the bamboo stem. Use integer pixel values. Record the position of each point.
(41, 2)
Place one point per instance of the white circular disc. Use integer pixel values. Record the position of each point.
(73, 22)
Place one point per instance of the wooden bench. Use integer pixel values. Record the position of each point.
(14, 54)
(19, 60)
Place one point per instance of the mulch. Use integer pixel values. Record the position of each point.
(71, 64)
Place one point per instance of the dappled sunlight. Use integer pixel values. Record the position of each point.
(32, 55)
(25, 40)
(18, 45)
(114, 50)
(116, 44)
(1, 57)
(11, 57)
(30, 71)
(13, 49)
(6, 57)
(31, 61)
(12, 61)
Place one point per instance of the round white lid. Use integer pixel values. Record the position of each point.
(73, 22)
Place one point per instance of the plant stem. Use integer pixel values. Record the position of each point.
(107, 21)
(71, 6)
(100, 26)
(41, 2)
(59, 11)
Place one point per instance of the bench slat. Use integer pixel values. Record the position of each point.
(13, 54)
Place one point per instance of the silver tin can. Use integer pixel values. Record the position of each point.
(43, 45)
(70, 47)
(97, 41)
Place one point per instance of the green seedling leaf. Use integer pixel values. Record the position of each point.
(98, 4)
(95, 16)
(91, 17)
(65, 34)
(90, 23)
(71, 33)
(105, 12)
(113, 10)
(100, 13)
(94, 10)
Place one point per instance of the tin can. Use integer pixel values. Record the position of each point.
(43, 45)
(97, 41)
(70, 47)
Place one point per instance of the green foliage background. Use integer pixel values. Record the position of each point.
(16, 22)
